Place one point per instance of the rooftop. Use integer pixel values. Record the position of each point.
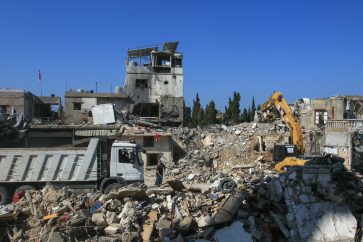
(167, 47)
(99, 94)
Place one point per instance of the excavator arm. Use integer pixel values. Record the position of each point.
(278, 102)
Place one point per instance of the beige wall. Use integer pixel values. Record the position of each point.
(164, 146)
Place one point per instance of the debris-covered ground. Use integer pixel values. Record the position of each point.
(224, 188)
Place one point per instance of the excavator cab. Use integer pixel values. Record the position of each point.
(281, 151)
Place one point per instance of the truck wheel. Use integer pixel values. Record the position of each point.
(227, 185)
(111, 187)
(24, 188)
(4, 196)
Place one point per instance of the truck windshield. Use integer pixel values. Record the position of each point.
(127, 155)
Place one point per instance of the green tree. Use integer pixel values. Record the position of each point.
(200, 120)
(232, 112)
(244, 116)
(249, 114)
(227, 111)
(7, 133)
(210, 114)
(196, 109)
(187, 119)
(235, 109)
(253, 109)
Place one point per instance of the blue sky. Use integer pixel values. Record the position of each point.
(304, 48)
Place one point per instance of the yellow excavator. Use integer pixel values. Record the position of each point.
(287, 154)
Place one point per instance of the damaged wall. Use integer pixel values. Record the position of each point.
(155, 76)
(78, 105)
(339, 140)
(314, 115)
(26, 102)
(155, 150)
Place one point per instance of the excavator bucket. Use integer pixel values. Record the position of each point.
(265, 116)
(289, 161)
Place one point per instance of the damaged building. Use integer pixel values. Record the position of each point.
(79, 104)
(315, 113)
(333, 125)
(154, 82)
(344, 138)
(44, 108)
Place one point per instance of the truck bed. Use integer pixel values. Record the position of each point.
(49, 164)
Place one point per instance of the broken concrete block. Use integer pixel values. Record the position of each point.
(292, 175)
(186, 224)
(276, 191)
(99, 219)
(229, 208)
(176, 185)
(336, 224)
(108, 239)
(324, 177)
(234, 232)
(200, 187)
(278, 220)
(165, 232)
(163, 223)
(204, 221)
(55, 237)
(111, 217)
(113, 229)
(129, 191)
(309, 175)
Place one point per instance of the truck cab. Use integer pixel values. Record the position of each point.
(126, 161)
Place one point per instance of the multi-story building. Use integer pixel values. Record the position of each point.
(154, 83)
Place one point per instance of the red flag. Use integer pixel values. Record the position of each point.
(39, 76)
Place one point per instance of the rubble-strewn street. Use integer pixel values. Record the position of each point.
(223, 188)
(181, 121)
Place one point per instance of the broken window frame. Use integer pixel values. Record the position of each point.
(141, 83)
(321, 117)
(122, 160)
(75, 106)
(155, 159)
(4, 108)
(148, 141)
(141, 61)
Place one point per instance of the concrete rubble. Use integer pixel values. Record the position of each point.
(223, 188)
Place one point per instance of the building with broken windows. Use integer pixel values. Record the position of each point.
(154, 83)
(79, 104)
(14, 102)
(333, 125)
(315, 113)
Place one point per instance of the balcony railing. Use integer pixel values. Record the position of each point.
(344, 123)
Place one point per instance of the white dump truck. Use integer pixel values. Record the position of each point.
(93, 167)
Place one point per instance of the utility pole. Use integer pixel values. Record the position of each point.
(96, 87)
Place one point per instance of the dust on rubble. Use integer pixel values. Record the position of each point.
(223, 188)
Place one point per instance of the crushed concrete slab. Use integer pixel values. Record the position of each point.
(235, 232)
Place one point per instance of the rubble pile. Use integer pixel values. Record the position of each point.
(224, 189)
(231, 145)
(130, 213)
(310, 203)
